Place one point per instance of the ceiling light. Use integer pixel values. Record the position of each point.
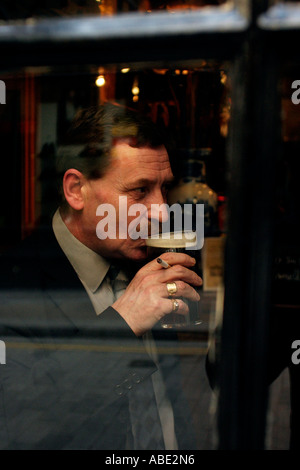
(100, 81)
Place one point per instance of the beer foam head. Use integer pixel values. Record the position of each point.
(173, 240)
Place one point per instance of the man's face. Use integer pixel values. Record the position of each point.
(140, 174)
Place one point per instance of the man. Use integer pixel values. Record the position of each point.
(62, 285)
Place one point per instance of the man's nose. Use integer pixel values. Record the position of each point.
(159, 209)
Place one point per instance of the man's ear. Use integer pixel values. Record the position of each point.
(73, 183)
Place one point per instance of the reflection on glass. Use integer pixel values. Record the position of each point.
(284, 370)
(67, 8)
(75, 370)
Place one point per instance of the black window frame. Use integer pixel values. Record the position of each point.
(254, 43)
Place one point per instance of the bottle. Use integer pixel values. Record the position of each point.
(193, 189)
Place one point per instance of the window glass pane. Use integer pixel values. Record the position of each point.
(284, 338)
(76, 370)
(57, 8)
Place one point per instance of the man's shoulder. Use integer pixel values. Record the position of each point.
(24, 264)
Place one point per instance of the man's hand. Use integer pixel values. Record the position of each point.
(146, 299)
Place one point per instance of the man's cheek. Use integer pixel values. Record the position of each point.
(106, 226)
(138, 226)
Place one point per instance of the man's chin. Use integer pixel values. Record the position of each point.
(127, 251)
(138, 253)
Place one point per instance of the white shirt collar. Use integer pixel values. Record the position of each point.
(90, 267)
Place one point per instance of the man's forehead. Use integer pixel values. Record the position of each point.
(123, 155)
(124, 149)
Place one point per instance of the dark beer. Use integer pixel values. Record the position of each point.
(178, 242)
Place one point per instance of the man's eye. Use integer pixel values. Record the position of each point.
(140, 190)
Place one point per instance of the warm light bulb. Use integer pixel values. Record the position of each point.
(135, 90)
(100, 81)
(125, 70)
(223, 77)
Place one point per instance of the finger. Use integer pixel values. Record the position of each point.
(178, 258)
(172, 259)
(174, 274)
(180, 273)
(183, 290)
(167, 307)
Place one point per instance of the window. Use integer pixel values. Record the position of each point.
(208, 76)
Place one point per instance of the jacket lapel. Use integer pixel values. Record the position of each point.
(68, 306)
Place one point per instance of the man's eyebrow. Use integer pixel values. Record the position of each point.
(145, 181)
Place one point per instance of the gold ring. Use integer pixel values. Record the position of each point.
(172, 288)
(175, 305)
